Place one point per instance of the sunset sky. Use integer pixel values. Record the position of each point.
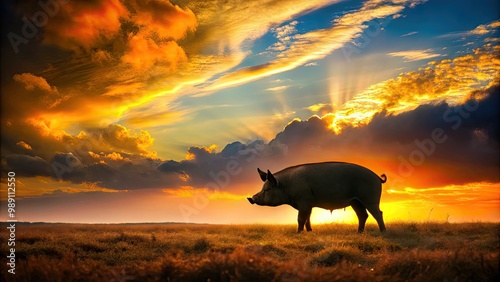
(158, 111)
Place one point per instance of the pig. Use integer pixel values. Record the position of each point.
(328, 185)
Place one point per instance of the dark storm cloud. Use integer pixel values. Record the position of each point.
(236, 163)
(113, 157)
(471, 129)
(26, 165)
(460, 121)
(301, 134)
(119, 175)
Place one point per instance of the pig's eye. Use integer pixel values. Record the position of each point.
(267, 189)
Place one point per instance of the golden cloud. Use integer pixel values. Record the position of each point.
(114, 156)
(448, 80)
(117, 136)
(163, 18)
(24, 145)
(480, 30)
(101, 56)
(144, 52)
(485, 28)
(49, 95)
(46, 128)
(46, 138)
(320, 108)
(415, 55)
(84, 24)
(284, 34)
(277, 88)
(220, 30)
(160, 23)
(32, 82)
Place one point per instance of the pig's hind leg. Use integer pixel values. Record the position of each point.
(308, 223)
(360, 210)
(377, 214)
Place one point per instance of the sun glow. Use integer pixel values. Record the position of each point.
(322, 216)
(335, 126)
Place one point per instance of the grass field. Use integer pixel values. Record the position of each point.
(189, 252)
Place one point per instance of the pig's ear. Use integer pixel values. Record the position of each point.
(262, 174)
(271, 178)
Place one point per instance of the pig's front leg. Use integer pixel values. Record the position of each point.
(304, 214)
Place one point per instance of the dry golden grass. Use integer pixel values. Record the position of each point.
(187, 252)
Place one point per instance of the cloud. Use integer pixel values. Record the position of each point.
(484, 29)
(246, 21)
(26, 165)
(24, 145)
(226, 169)
(101, 56)
(448, 79)
(480, 30)
(320, 108)
(313, 45)
(84, 24)
(409, 33)
(112, 156)
(113, 138)
(113, 171)
(277, 88)
(286, 30)
(118, 51)
(160, 24)
(303, 134)
(284, 34)
(32, 82)
(163, 18)
(144, 52)
(116, 137)
(415, 55)
(47, 95)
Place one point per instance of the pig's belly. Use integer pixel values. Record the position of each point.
(332, 204)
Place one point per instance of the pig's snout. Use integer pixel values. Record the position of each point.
(251, 200)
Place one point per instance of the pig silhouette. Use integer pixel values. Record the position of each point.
(328, 185)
